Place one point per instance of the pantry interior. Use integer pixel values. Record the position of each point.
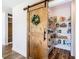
(59, 29)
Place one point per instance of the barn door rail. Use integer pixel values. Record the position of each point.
(29, 6)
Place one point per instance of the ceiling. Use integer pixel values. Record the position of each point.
(9, 4)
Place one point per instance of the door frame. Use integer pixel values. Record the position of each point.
(9, 16)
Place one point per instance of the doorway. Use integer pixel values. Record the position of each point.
(59, 29)
(9, 29)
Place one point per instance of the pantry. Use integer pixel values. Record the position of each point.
(59, 27)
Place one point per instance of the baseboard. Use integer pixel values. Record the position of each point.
(19, 52)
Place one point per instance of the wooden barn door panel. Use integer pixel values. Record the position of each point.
(37, 42)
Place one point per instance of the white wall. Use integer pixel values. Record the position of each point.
(20, 28)
(4, 28)
(60, 10)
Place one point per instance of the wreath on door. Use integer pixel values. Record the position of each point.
(35, 19)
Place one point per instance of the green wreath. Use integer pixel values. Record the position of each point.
(35, 19)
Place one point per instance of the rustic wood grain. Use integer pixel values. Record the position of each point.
(38, 46)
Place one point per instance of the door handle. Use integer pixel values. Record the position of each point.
(44, 35)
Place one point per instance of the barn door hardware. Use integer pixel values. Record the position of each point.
(44, 35)
(36, 4)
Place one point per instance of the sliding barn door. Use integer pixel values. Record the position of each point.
(37, 17)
